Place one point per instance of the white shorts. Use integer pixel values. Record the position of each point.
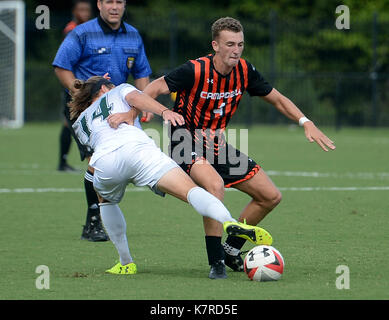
(142, 164)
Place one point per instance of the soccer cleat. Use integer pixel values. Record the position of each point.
(120, 269)
(255, 235)
(66, 168)
(234, 262)
(218, 270)
(94, 231)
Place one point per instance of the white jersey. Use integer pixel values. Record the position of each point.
(93, 130)
(121, 155)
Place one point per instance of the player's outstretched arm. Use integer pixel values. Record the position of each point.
(144, 102)
(140, 84)
(157, 87)
(290, 110)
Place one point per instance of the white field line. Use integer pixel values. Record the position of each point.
(313, 174)
(77, 190)
(36, 169)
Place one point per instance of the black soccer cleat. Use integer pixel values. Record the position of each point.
(234, 262)
(218, 270)
(66, 168)
(94, 232)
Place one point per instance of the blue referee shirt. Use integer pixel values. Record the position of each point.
(93, 48)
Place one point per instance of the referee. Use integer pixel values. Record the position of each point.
(102, 45)
(82, 12)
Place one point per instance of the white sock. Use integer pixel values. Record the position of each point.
(208, 205)
(230, 250)
(115, 225)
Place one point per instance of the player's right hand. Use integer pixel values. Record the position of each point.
(175, 118)
(106, 76)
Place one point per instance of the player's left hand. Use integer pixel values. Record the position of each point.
(115, 119)
(313, 134)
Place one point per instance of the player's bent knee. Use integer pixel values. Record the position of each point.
(271, 200)
(274, 200)
(277, 199)
(216, 188)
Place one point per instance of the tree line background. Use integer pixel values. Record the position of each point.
(337, 77)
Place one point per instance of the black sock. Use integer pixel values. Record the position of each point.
(91, 198)
(235, 242)
(214, 249)
(65, 140)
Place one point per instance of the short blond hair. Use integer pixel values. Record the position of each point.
(226, 23)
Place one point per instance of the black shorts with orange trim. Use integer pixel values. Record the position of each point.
(232, 165)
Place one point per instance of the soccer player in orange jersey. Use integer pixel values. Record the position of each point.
(209, 90)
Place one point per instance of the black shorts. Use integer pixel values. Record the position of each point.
(84, 151)
(230, 163)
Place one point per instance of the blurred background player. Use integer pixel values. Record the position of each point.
(105, 44)
(82, 12)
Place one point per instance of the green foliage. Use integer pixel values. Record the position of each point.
(288, 41)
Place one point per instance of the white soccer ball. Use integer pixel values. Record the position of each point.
(264, 263)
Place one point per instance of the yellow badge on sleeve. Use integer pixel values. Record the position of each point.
(130, 62)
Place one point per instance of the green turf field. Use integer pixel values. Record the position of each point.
(335, 211)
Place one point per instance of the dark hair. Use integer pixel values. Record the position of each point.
(226, 23)
(103, 0)
(85, 92)
(75, 2)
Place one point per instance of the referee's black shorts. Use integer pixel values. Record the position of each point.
(84, 152)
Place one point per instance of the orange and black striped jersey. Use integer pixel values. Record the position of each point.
(207, 99)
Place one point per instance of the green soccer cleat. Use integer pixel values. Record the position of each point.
(120, 269)
(255, 235)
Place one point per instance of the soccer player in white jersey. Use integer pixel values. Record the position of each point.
(127, 155)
